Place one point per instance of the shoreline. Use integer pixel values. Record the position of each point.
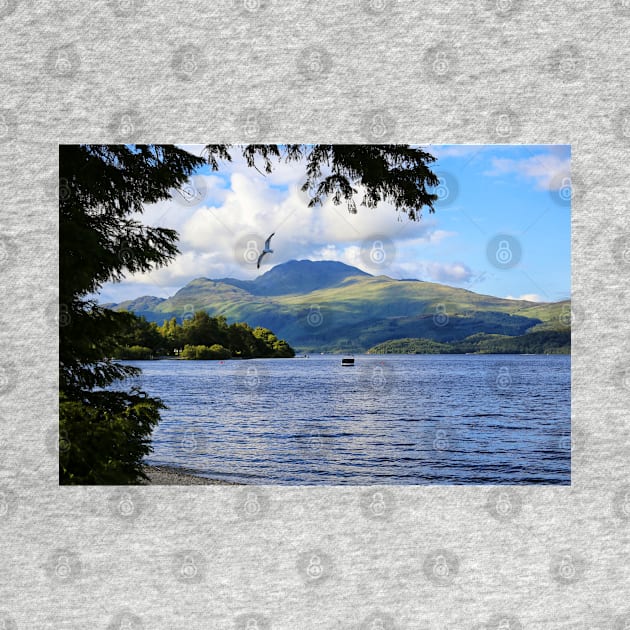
(171, 476)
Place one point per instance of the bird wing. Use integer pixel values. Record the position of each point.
(259, 259)
(268, 241)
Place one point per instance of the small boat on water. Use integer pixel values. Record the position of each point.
(347, 361)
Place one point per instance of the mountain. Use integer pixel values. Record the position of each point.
(330, 306)
(144, 306)
(297, 276)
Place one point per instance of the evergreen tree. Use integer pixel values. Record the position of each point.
(107, 433)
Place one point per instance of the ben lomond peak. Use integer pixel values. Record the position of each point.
(297, 276)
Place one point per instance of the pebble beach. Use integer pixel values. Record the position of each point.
(168, 476)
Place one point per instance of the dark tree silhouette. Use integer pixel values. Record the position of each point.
(106, 434)
(395, 173)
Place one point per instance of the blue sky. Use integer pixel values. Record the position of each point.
(515, 199)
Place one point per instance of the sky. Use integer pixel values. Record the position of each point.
(501, 227)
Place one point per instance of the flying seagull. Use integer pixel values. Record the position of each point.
(266, 250)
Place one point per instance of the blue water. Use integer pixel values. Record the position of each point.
(419, 419)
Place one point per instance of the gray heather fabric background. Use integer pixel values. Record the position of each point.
(438, 557)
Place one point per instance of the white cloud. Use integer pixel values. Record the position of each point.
(550, 170)
(528, 297)
(456, 273)
(244, 202)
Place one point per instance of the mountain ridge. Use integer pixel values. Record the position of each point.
(296, 276)
(331, 306)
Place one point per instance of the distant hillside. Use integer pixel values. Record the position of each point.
(144, 303)
(539, 342)
(333, 307)
(145, 306)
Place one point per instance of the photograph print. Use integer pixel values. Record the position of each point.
(315, 314)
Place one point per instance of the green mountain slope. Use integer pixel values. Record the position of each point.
(324, 306)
